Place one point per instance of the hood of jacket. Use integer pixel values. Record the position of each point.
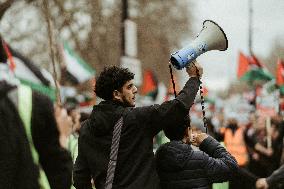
(104, 116)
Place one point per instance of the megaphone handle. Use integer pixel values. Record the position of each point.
(202, 99)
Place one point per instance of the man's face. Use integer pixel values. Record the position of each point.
(127, 94)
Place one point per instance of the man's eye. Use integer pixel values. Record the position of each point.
(129, 86)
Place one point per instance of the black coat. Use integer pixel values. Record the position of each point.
(135, 167)
(277, 177)
(180, 167)
(17, 169)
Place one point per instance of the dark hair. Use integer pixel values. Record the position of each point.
(111, 78)
(177, 132)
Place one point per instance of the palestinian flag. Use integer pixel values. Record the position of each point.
(256, 72)
(28, 73)
(77, 70)
(150, 84)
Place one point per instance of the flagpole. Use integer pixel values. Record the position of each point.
(250, 23)
(124, 16)
(250, 26)
(46, 12)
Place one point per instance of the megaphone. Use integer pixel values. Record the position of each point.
(211, 37)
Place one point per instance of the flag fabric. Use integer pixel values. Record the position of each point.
(150, 84)
(76, 66)
(280, 75)
(256, 72)
(254, 62)
(12, 64)
(256, 75)
(243, 65)
(27, 72)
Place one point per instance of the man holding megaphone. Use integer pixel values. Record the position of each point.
(116, 142)
(133, 165)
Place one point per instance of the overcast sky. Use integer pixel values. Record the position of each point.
(232, 15)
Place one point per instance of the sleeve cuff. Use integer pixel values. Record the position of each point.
(209, 145)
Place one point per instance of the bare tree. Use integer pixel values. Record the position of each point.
(162, 25)
(93, 28)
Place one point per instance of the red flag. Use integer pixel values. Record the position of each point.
(243, 65)
(12, 64)
(149, 83)
(280, 73)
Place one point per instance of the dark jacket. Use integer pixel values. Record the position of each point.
(277, 177)
(180, 167)
(17, 169)
(135, 167)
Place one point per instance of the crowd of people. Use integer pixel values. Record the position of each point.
(112, 147)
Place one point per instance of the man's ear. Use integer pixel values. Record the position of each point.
(116, 95)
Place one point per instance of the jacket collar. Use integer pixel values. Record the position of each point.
(113, 102)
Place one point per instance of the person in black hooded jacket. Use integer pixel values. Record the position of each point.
(181, 167)
(135, 164)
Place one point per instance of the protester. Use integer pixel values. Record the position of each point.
(135, 165)
(179, 166)
(30, 142)
(277, 177)
(234, 141)
(73, 138)
(264, 158)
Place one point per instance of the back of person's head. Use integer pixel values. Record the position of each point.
(177, 132)
(111, 79)
(232, 122)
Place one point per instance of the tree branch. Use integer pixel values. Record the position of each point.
(4, 7)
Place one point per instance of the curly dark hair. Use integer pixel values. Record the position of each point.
(111, 78)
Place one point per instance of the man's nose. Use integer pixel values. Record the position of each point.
(135, 89)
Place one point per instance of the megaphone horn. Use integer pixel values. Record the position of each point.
(211, 37)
